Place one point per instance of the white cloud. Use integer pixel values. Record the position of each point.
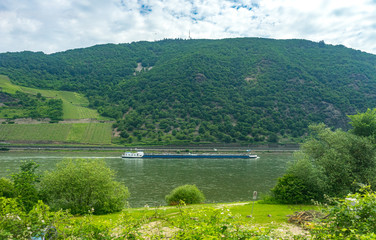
(57, 25)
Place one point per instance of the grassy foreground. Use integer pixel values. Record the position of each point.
(203, 221)
(262, 213)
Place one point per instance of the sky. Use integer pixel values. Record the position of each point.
(58, 25)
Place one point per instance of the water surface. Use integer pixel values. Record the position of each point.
(150, 180)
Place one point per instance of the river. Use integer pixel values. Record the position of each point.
(150, 180)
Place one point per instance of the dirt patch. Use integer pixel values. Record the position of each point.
(116, 133)
(303, 217)
(157, 228)
(139, 68)
(84, 120)
(290, 231)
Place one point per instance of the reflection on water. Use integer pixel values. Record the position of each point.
(150, 180)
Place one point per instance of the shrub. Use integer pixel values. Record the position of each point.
(15, 223)
(291, 189)
(189, 194)
(82, 185)
(6, 188)
(353, 217)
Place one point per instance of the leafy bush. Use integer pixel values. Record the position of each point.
(291, 189)
(329, 163)
(189, 194)
(353, 217)
(83, 185)
(6, 188)
(15, 223)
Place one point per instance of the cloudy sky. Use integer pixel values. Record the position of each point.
(58, 25)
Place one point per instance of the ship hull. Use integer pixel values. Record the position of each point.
(192, 156)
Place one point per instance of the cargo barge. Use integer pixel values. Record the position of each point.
(143, 155)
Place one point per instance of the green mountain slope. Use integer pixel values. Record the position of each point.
(73, 105)
(231, 90)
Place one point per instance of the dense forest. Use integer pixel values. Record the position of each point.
(230, 90)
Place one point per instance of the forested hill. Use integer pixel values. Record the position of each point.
(228, 90)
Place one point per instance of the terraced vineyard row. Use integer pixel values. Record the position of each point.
(88, 133)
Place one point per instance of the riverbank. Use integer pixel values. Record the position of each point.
(220, 148)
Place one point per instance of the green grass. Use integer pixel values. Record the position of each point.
(91, 133)
(75, 105)
(34, 132)
(71, 111)
(7, 86)
(88, 133)
(262, 213)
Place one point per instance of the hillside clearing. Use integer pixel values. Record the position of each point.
(75, 105)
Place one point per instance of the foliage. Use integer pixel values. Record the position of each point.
(6, 188)
(292, 189)
(189, 194)
(29, 106)
(40, 103)
(344, 159)
(213, 224)
(182, 222)
(330, 162)
(15, 223)
(83, 185)
(352, 217)
(232, 90)
(24, 183)
(364, 124)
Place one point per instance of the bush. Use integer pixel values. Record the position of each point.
(329, 163)
(6, 188)
(291, 189)
(189, 194)
(353, 217)
(15, 223)
(83, 185)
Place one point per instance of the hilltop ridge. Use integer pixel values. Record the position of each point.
(242, 90)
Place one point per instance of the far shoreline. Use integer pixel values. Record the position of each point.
(213, 148)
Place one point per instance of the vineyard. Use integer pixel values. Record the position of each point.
(87, 133)
(75, 105)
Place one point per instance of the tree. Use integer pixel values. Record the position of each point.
(24, 183)
(83, 185)
(334, 163)
(364, 124)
